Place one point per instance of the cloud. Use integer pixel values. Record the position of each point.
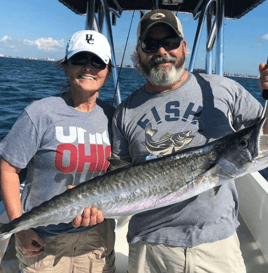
(261, 40)
(47, 44)
(41, 47)
(43, 43)
(6, 38)
(265, 37)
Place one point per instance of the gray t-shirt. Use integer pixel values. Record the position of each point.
(60, 146)
(197, 112)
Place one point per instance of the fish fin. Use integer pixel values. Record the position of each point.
(116, 163)
(121, 221)
(230, 121)
(216, 190)
(4, 241)
(10, 263)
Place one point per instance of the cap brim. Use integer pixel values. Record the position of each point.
(95, 52)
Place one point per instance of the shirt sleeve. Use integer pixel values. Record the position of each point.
(247, 109)
(244, 109)
(120, 146)
(21, 143)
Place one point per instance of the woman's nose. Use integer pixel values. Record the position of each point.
(88, 65)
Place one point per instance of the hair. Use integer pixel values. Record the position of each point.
(135, 59)
(63, 62)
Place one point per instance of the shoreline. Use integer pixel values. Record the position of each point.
(131, 67)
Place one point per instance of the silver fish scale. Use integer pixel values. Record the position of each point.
(145, 183)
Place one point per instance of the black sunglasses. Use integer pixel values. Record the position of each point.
(82, 59)
(151, 46)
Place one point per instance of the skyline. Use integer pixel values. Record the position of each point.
(41, 29)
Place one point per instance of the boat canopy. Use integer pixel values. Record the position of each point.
(234, 9)
(208, 12)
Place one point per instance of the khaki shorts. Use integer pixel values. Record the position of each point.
(219, 257)
(85, 252)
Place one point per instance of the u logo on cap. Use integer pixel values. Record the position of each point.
(157, 16)
(89, 38)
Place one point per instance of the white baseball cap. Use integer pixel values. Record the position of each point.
(89, 41)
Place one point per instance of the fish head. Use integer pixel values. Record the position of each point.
(261, 159)
(243, 152)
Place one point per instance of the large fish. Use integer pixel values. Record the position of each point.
(152, 184)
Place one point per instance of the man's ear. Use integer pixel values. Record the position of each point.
(184, 44)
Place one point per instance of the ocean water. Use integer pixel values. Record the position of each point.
(23, 81)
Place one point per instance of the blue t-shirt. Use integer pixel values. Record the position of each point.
(60, 146)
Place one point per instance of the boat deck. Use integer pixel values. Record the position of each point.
(254, 260)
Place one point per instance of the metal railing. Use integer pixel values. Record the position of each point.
(97, 22)
(215, 30)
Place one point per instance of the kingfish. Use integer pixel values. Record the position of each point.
(152, 184)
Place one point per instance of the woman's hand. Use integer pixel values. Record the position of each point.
(30, 244)
(90, 216)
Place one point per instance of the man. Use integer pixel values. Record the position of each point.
(176, 109)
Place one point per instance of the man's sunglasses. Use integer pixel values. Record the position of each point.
(151, 46)
(83, 59)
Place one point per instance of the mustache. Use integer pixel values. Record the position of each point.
(162, 59)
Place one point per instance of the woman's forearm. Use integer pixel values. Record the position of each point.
(10, 189)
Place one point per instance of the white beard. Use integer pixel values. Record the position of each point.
(163, 76)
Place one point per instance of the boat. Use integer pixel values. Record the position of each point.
(253, 198)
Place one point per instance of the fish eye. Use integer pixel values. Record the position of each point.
(243, 143)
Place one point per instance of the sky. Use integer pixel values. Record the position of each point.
(41, 29)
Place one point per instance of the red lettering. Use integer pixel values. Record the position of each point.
(83, 158)
(107, 154)
(97, 158)
(59, 159)
(100, 162)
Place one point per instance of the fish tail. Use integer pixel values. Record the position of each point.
(4, 239)
(3, 245)
(149, 131)
(5, 232)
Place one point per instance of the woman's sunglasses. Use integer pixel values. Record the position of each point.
(151, 46)
(83, 59)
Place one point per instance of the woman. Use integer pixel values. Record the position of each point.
(63, 141)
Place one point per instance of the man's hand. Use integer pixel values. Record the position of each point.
(90, 216)
(263, 76)
(30, 244)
